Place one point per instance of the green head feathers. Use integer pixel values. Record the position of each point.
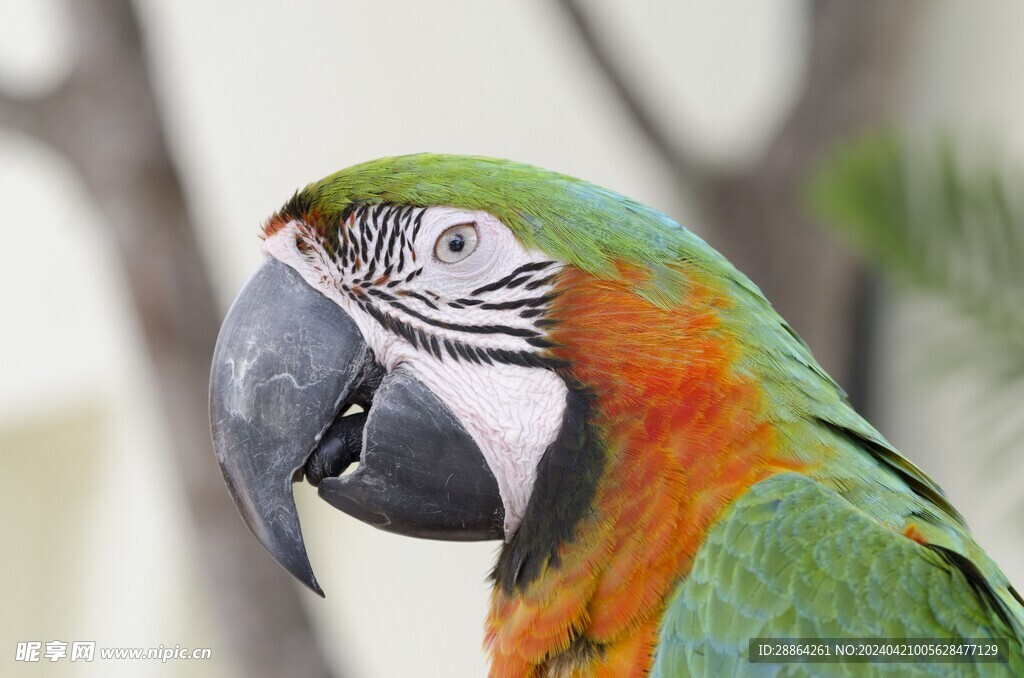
(567, 218)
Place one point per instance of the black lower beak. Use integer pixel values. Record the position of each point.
(288, 362)
(421, 474)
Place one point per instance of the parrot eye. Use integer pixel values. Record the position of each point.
(456, 243)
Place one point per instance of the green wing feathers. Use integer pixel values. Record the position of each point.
(791, 558)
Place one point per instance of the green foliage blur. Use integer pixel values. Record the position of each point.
(936, 220)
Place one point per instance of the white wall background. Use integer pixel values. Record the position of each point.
(261, 98)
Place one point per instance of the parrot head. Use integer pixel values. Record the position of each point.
(427, 289)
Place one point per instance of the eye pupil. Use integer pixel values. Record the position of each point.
(456, 243)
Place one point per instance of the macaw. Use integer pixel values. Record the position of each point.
(551, 364)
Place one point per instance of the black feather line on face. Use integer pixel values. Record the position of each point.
(348, 211)
(382, 233)
(540, 283)
(392, 241)
(451, 350)
(417, 295)
(380, 294)
(505, 282)
(518, 303)
(469, 329)
(417, 224)
(364, 230)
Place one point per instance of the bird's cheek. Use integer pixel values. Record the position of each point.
(513, 413)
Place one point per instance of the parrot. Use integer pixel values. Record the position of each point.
(539, 361)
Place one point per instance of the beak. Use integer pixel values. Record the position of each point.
(420, 474)
(287, 360)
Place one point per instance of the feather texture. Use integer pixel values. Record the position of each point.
(738, 493)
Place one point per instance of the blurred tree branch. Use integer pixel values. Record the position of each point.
(21, 114)
(687, 165)
(755, 213)
(105, 120)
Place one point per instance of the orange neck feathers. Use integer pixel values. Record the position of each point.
(684, 434)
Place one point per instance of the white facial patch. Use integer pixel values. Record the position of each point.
(513, 414)
(453, 297)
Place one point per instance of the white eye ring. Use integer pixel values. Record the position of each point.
(456, 243)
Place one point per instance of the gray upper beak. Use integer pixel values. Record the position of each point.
(287, 360)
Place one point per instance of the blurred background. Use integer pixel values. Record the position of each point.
(860, 161)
